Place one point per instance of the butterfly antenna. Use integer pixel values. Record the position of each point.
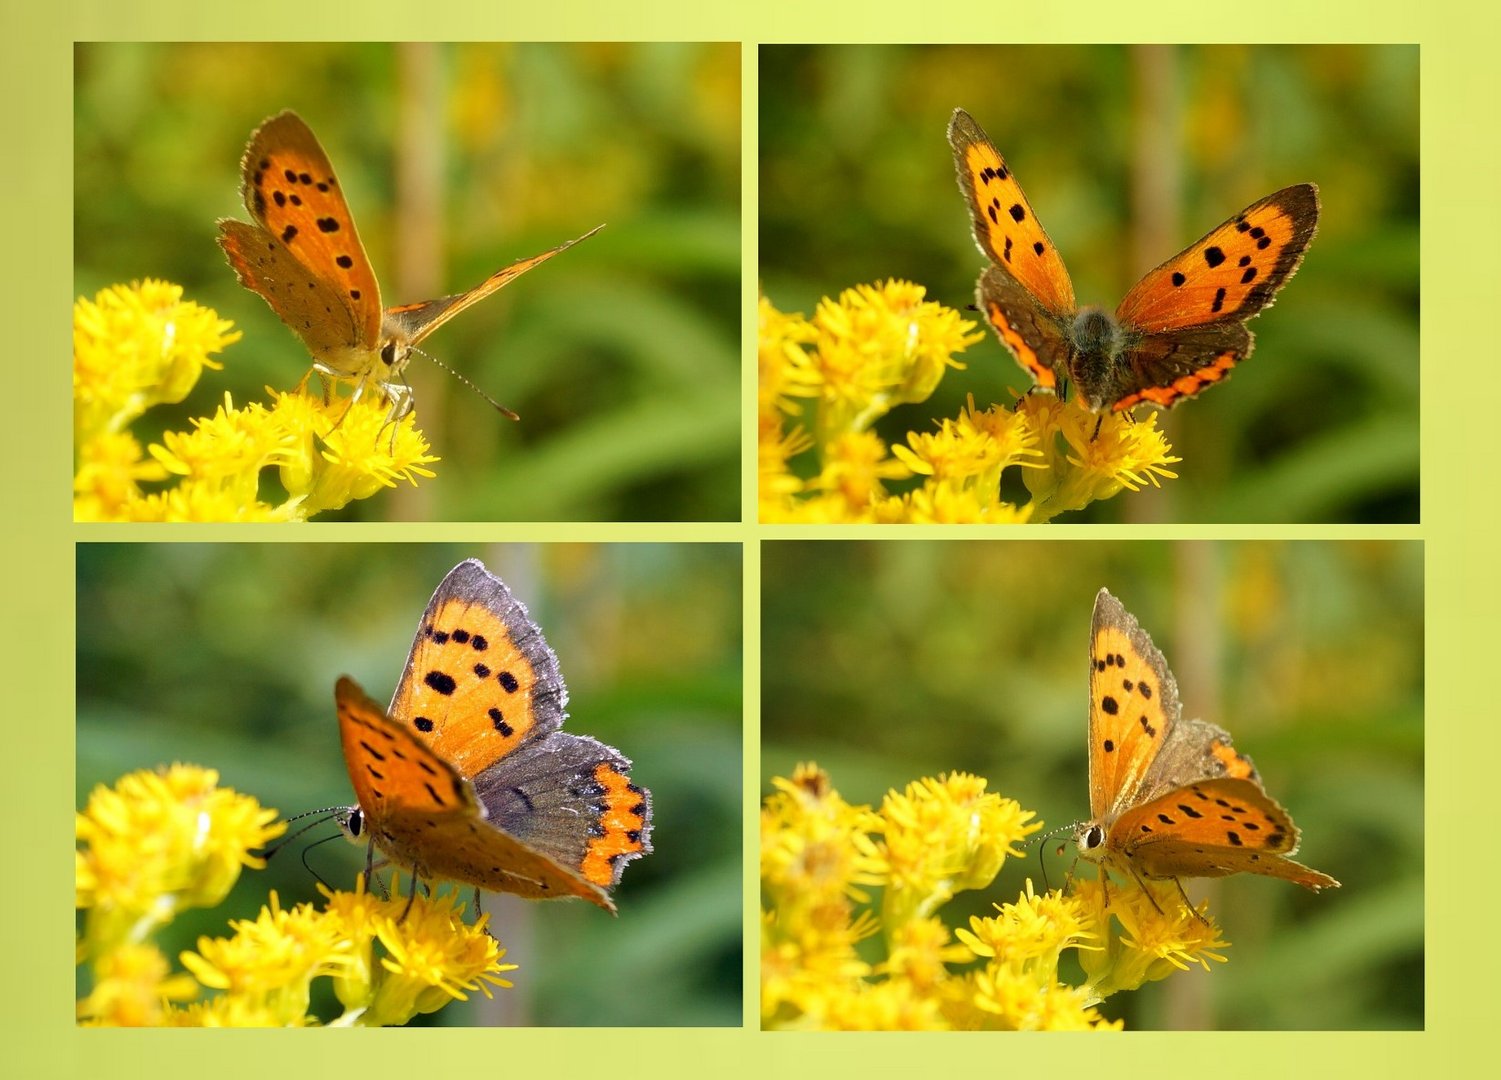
(328, 813)
(494, 404)
(1041, 853)
(308, 867)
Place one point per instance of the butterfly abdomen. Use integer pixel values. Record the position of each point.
(1096, 342)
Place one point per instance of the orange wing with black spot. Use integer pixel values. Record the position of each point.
(1133, 707)
(1212, 828)
(1233, 272)
(303, 254)
(1187, 317)
(1025, 294)
(1005, 228)
(422, 814)
(480, 681)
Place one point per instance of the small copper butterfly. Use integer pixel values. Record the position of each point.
(304, 257)
(1170, 798)
(1180, 328)
(468, 777)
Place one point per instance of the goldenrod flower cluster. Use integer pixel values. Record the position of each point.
(851, 937)
(142, 345)
(824, 382)
(160, 842)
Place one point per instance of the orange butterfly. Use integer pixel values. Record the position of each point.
(1180, 329)
(1170, 798)
(304, 257)
(468, 776)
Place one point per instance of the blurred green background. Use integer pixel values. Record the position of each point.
(885, 662)
(621, 355)
(1129, 154)
(225, 656)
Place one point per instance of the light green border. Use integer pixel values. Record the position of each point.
(1460, 244)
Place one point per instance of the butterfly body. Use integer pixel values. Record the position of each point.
(1179, 330)
(303, 256)
(467, 776)
(1171, 798)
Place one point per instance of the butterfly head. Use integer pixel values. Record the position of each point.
(351, 821)
(1089, 838)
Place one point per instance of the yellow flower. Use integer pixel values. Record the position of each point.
(132, 984)
(111, 469)
(362, 453)
(135, 346)
(159, 842)
(854, 465)
(272, 959)
(785, 369)
(940, 837)
(432, 958)
(389, 960)
(879, 346)
(1162, 935)
(927, 843)
(1105, 453)
(141, 346)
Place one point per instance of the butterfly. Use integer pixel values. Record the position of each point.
(304, 258)
(1170, 798)
(467, 777)
(1180, 328)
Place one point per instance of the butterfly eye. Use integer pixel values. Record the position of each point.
(388, 353)
(1093, 837)
(354, 824)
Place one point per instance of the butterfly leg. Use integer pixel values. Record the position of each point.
(1147, 890)
(481, 918)
(402, 400)
(302, 385)
(411, 896)
(1189, 903)
(370, 866)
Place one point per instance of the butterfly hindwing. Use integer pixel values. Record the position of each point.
(1162, 369)
(540, 792)
(1007, 231)
(1033, 334)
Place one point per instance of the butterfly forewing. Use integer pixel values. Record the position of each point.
(1007, 231)
(1233, 272)
(417, 321)
(395, 767)
(1133, 705)
(480, 681)
(290, 189)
